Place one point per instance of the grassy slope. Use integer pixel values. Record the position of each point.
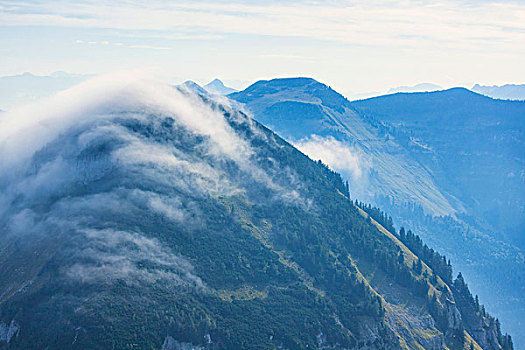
(400, 310)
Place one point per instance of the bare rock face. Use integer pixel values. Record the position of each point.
(414, 327)
(172, 344)
(377, 336)
(454, 318)
(7, 332)
(486, 334)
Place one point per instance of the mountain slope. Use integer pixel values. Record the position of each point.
(193, 87)
(298, 108)
(468, 138)
(471, 138)
(395, 168)
(142, 216)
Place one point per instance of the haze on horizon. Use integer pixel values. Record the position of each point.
(354, 46)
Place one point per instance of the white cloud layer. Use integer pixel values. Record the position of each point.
(379, 22)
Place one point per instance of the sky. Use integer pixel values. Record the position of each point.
(354, 46)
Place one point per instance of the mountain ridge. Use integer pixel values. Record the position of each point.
(505, 92)
(367, 139)
(288, 101)
(154, 230)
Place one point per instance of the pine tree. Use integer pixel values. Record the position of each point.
(507, 343)
(498, 330)
(402, 234)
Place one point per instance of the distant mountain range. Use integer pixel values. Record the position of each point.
(215, 87)
(423, 87)
(430, 159)
(20, 89)
(504, 92)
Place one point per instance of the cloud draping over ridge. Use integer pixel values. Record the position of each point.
(97, 165)
(338, 155)
(341, 157)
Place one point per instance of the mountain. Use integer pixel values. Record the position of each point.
(217, 87)
(422, 87)
(139, 215)
(193, 87)
(17, 90)
(504, 92)
(322, 122)
(475, 148)
(468, 139)
(433, 173)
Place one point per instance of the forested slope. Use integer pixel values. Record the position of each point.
(160, 219)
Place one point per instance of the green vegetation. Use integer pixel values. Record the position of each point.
(293, 264)
(472, 313)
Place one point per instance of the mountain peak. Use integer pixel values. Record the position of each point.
(295, 82)
(217, 87)
(440, 96)
(193, 87)
(300, 89)
(60, 74)
(216, 81)
(456, 93)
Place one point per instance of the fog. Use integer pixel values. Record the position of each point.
(341, 157)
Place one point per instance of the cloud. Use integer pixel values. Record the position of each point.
(131, 46)
(110, 166)
(149, 47)
(449, 23)
(353, 164)
(338, 155)
(37, 124)
(113, 254)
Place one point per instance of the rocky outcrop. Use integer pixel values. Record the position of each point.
(454, 316)
(8, 331)
(413, 327)
(171, 344)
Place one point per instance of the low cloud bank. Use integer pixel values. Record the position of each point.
(339, 156)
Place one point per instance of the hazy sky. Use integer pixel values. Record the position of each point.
(354, 46)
